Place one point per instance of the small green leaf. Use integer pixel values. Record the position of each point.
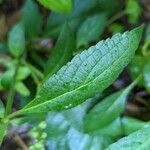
(57, 5)
(88, 73)
(107, 111)
(91, 29)
(136, 67)
(21, 88)
(138, 140)
(23, 72)
(133, 10)
(16, 40)
(32, 26)
(147, 76)
(62, 52)
(7, 78)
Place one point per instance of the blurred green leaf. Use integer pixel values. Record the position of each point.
(3, 129)
(77, 81)
(16, 40)
(84, 141)
(121, 127)
(133, 10)
(147, 76)
(31, 18)
(137, 140)
(58, 6)
(107, 110)
(116, 28)
(136, 67)
(2, 109)
(21, 88)
(62, 53)
(91, 29)
(79, 13)
(7, 78)
(147, 33)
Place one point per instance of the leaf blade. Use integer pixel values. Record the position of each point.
(139, 139)
(59, 5)
(77, 81)
(62, 52)
(107, 110)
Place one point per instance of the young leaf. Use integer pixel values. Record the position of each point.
(32, 26)
(91, 29)
(107, 110)
(133, 10)
(57, 5)
(88, 73)
(21, 88)
(16, 40)
(62, 52)
(137, 140)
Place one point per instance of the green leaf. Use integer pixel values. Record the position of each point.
(2, 109)
(138, 140)
(32, 26)
(58, 6)
(120, 127)
(91, 29)
(62, 52)
(107, 111)
(21, 88)
(3, 129)
(136, 67)
(80, 8)
(133, 10)
(16, 40)
(88, 73)
(84, 141)
(147, 76)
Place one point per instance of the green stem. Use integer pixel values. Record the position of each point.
(116, 17)
(11, 91)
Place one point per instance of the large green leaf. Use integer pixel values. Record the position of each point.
(139, 140)
(32, 26)
(62, 52)
(88, 73)
(16, 40)
(107, 110)
(91, 29)
(57, 5)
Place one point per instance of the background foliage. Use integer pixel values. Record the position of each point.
(63, 86)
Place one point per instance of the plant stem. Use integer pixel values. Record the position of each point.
(11, 91)
(116, 17)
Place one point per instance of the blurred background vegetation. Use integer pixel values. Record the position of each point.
(45, 34)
